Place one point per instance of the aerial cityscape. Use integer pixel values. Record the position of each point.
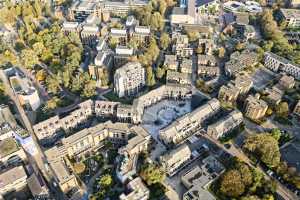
(149, 100)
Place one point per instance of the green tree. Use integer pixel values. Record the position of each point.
(53, 103)
(282, 109)
(150, 78)
(193, 35)
(29, 58)
(157, 21)
(276, 133)
(264, 147)
(222, 52)
(231, 184)
(152, 174)
(160, 72)
(164, 40)
(106, 181)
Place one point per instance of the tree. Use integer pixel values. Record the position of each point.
(29, 58)
(162, 7)
(157, 21)
(52, 103)
(41, 75)
(231, 184)
(282, 109)
(37, 8)
(152, 174)
(160, 72)
(222, 52)
(106, 181)
(150, 79)
(264, 147)
(239, 46)
(164, 40)
(276, 134)
(193, 36)
(79, 167)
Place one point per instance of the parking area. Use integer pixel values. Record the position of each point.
(262, 77)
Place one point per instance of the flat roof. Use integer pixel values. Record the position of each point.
(8, 146)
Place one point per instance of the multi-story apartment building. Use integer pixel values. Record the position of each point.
(290, 16)
(171, 62)
(279, 64)
(225, 125)
(186, 66)
(142, 33)
(286, 82)
(173, 159)
(6, 116)
(129, 79)
(106, 109)
(71, 27)
(138, 190)
(255, 108)
(178, 77)
(48, 130)
(240, 61)
(11, 152)
(188, 124)
(228, 94)
(89, 34)
(12, 179)
(119, 34)
(207, 65)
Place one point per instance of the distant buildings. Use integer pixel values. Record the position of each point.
(178, 77)
(186, 66)
(286, 82)
(181, 46)
(255, 108)
(184, 15)
(279, 64)
(173, 159)
(138, 190)
(129, 79)
(186, 125)
(225, 125)
(171, 62)
(290, 16)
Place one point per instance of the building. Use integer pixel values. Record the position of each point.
(49, 130)
(186, 66)
(142, 34)
(295, 3)
(13, 179)
(64, 178)
(178, 77)
(206, 46)
(185, 126)
(255, 108)
(207, 66)
(286, 82)
(225, 125)
(89, 34)
(198, 178)
(106, 109)
(239, 61)
(181, 47)
(23, 88)
(38, 187)
(273, 95)
(279, 64)
(119, 34)
(297, 109)
(129, 79)
(137, 190)
(290, 16)
(184, 15)
(6, 116)
(11, 152)
(171, 62)
(175, 158)
(228, 93)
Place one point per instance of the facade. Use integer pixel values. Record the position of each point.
(291, 16)
(187, 125)
(23, 88)
(273, 95)
(90, 34)
(142, 34)
(172, 160)
(12, 179)
(279, 64)
(225, 125)
(297, 109)
(286, 82)
(171, 62)
(138, 190)
(129, 79)
(186, 66)
(255, 108)
(48, 130)
(228, 94)
(181, 47)
(178, 77)
(239, 61)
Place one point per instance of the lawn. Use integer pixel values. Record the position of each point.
(8, 146)
(113, 97)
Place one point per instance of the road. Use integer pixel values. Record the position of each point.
(234, 151)
(39, 159)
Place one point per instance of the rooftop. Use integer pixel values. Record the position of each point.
(290, 13)
(8, 146)
(12, 175)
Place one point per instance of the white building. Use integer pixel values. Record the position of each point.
(138, 189)
(291, 16)
(12, 179)
(129, 79)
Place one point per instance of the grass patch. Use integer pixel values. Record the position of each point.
(113, 97)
